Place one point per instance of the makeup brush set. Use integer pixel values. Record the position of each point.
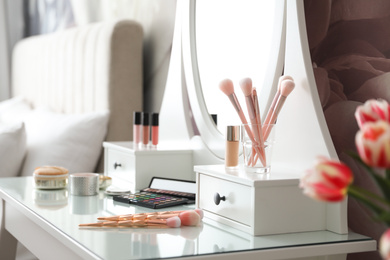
(257, 131)
(164, 219)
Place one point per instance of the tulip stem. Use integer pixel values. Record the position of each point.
(388, 174)
(383, 183)
(363, 195)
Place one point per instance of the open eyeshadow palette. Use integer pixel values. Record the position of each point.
(161, 193)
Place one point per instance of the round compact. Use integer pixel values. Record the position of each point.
(50, 177)
(84, 184)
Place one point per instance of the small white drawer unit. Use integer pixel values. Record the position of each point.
(260, 204)
(132, 168)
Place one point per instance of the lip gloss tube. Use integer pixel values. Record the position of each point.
(154, 129)
(145, 128)
(136, 128)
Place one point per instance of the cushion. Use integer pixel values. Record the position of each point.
(12, 149)
(14, 110)
(73, 141)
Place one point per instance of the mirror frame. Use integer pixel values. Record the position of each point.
(211, 136)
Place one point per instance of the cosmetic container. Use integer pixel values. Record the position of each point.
(84, 184)
(49, 182)
(145, 128)
(50, 177)
(137, 128)
(232, 146)
(154, 135)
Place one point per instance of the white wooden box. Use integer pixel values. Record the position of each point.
(260, 204)
(132, 168)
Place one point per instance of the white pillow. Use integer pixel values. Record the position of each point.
(14, 111)
(12, 149)
(72, 141)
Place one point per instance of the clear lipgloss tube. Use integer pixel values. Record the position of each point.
(232, 146)
(145, 128)
(137, 128)
(154, 135)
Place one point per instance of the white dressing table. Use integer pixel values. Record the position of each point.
(46, 222)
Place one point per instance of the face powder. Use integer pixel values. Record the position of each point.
(50, 177)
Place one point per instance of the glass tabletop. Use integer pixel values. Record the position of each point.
(66, 212)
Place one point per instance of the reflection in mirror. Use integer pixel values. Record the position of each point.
(233, 40)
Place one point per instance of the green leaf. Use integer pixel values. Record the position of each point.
(384, 217)
(383, 183)
(387, 174)
(366, 198)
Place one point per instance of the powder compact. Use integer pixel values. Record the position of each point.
(50, 177)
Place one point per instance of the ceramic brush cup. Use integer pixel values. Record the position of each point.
(252, 163)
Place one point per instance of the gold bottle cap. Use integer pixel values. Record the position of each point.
(233, 133)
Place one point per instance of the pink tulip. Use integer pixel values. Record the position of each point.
(372, 111)
(373, 144)
(328, 181)
(384, 245)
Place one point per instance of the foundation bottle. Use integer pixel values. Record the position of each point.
(232, 146)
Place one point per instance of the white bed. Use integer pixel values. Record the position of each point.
(78, 74)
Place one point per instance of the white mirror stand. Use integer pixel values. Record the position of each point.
(302, 133)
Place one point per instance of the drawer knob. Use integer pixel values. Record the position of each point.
(218, 198)
(116, 165)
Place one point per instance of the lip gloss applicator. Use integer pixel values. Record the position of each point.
(154, 129)
(145, 128)
(226, 86)
(136, 128)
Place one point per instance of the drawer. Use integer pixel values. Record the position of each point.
(120, 165)
(238, 199)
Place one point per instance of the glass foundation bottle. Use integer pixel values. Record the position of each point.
(232, 146)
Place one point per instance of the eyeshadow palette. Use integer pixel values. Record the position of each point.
(190, 196)
(151, 200)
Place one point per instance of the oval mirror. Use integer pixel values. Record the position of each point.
(230, 39)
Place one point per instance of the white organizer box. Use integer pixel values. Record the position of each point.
(259, 204)
(132, 168)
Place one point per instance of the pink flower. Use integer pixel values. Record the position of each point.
(372, 111)
(384, 245)
(373, 144)
(328, 181)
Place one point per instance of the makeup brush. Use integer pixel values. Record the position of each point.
(226, 86)
(200, 213)
(276, 97)
(165, 218)
(246, 87)
(189, 218)
(286, 87)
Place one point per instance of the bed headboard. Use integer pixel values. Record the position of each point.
(84, 69)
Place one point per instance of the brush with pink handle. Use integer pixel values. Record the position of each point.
(226, 86)
(171, 219)
(246, 87)
(258, 117)
(267, 119)
(286, 87)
